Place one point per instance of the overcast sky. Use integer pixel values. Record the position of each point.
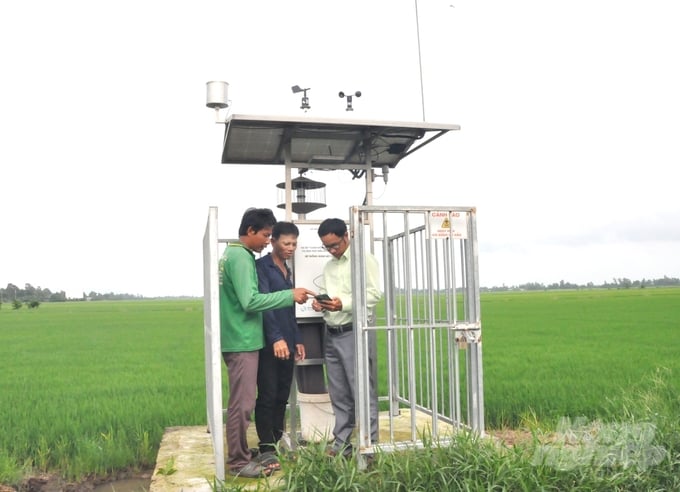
(569, 114)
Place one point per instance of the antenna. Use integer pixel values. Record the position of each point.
(420, 61)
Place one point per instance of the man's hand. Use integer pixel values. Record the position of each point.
(300, 352)
(316, 306)
(335, 304)
(281, 350)
(300, 294)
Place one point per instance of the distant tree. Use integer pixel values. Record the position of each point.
(33, 304)
(16, 304)
(57, 297)
(29, 291)
(532, 286)
(666, 281)
(625, 283)
(11, 291)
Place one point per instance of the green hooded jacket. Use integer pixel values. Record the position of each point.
(241, 303)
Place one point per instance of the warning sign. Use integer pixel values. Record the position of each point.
(446, 224)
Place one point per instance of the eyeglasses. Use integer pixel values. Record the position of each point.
(334, 246)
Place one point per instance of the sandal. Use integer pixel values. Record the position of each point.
(251, 470)
(269, 460)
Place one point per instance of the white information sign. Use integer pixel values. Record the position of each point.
(310, 258)
(446, 224)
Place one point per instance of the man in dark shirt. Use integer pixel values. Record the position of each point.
(283, 343)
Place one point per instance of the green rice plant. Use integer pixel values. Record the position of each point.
(10, 471)
(145, 455)
(43, 454)
(89, 387)
(169, 467)
(579, 455)
(567, 353)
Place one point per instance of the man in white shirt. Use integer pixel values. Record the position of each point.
(340, 351)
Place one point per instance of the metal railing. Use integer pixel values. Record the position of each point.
(426, 337)
(211, 335)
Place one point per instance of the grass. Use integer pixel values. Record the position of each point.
(568, 353)
(88, 388)
(639, 450)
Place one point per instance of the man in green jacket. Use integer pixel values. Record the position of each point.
(242, 335)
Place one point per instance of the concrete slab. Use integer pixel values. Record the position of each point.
(186, 462)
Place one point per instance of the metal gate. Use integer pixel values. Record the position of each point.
(211, 337)
(426, 334)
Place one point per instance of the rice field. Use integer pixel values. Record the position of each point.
(568, 353)
(89, 387)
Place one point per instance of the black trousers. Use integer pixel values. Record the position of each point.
(274, 378)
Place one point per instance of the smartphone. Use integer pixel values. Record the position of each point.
(322, 298)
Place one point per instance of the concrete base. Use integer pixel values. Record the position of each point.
(186, 462)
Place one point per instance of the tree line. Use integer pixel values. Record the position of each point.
(28, 294)
(616, 283)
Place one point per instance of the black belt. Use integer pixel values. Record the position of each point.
(337, 330)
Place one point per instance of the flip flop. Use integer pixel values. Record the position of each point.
(251, 470)
(269, 460)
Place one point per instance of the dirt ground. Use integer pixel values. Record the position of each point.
(54, 483)
(510, 437)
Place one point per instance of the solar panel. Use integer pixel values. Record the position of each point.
(268, 140)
